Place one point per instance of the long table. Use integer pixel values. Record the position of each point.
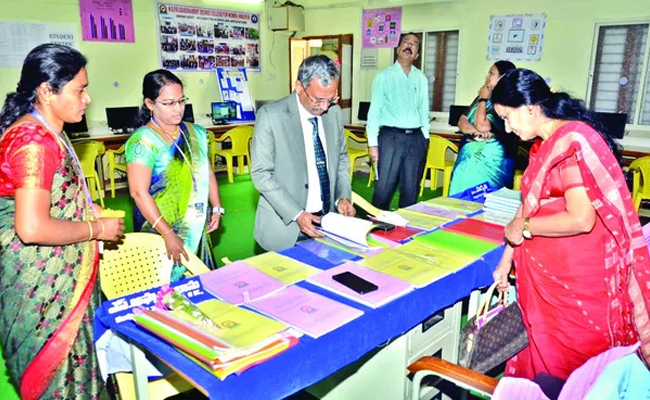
(313, 360)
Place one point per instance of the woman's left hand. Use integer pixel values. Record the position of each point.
(514, 232)
(484, 92)
(214, 222)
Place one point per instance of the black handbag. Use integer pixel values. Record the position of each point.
(493, 335)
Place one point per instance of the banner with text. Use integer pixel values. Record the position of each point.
(516, 37)
(201, 39)
(17, 39)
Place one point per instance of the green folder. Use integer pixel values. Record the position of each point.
(457, 243)
(175, 337)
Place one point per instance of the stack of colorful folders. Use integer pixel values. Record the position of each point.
(219, 336)
(501, 206)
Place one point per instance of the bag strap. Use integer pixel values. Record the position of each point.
(485, 304)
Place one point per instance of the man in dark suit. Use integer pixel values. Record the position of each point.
(299, 157)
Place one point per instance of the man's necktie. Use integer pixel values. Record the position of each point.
(321, 165)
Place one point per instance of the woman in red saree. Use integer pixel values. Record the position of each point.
(48, 233)
(581, 263)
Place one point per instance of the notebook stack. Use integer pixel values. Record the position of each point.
(500, 207)
(221, 337)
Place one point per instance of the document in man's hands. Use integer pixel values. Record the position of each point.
(352, 232)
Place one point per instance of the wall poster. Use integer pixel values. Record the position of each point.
(17, 39)
(201, 39)
(107, 20)
(516, 37)
(381, 27)
(233, 83)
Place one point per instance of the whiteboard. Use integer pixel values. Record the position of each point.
(18, 38)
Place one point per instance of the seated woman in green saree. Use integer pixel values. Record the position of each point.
(49, 229)
(487, 152)
(169, 173)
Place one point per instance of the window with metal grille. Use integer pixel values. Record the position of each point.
(439, 62)
(619, 76)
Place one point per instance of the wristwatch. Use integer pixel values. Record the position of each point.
(219, 209)
(525, 232)
(480, 99)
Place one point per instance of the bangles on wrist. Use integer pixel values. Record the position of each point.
(90, 230)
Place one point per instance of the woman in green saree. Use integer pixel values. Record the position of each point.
(48, 232)
(170, 177)
(487, 152)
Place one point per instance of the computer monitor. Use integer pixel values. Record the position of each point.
(362, 113)
(188, 114)
(455, 112)
(122, 119)
(223, 112)
(76, 127)
(614, 123)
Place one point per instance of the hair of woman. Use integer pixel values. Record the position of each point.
(152, 83)
(523, 87)
(54, 64)
(504, 66)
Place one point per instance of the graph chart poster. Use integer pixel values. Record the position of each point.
(201, 39)
(381, 27)
(233, 83)
(516, 37)
(107, 20)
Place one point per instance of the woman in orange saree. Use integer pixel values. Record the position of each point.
(48, 233)
(581, 263)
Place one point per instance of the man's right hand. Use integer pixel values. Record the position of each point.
(373, 152)
(305, 221)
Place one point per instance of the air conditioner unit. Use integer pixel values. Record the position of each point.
(286, 18)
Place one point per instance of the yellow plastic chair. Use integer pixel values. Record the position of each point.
(353, 152)
(521, 154)
(371, 175)
(640, 169)
(112, 166)
(87, 153)
(436, 160)
(240, 138)
(140, 262)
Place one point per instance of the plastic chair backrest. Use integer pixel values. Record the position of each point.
(641, 166)
(239, 136)
(87, 153)
(438, 151)
(350, 135)
(138, 263)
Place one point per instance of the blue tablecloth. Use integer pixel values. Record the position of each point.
(312, 359)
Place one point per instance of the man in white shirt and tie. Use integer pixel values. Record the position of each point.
(299, 158)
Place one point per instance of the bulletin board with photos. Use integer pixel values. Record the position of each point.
(202, 39)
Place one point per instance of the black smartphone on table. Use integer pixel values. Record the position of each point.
(382, 226)
(355, 282)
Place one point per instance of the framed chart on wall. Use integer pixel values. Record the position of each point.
(201, 39)
(516, 37)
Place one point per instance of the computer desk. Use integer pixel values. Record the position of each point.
(364, 359)
(114, 141)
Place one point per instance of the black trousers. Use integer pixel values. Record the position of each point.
(401, 159)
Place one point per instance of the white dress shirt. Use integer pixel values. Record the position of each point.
(314, 202)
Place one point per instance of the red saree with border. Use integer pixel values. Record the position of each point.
(583, 294)
(47, 293)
